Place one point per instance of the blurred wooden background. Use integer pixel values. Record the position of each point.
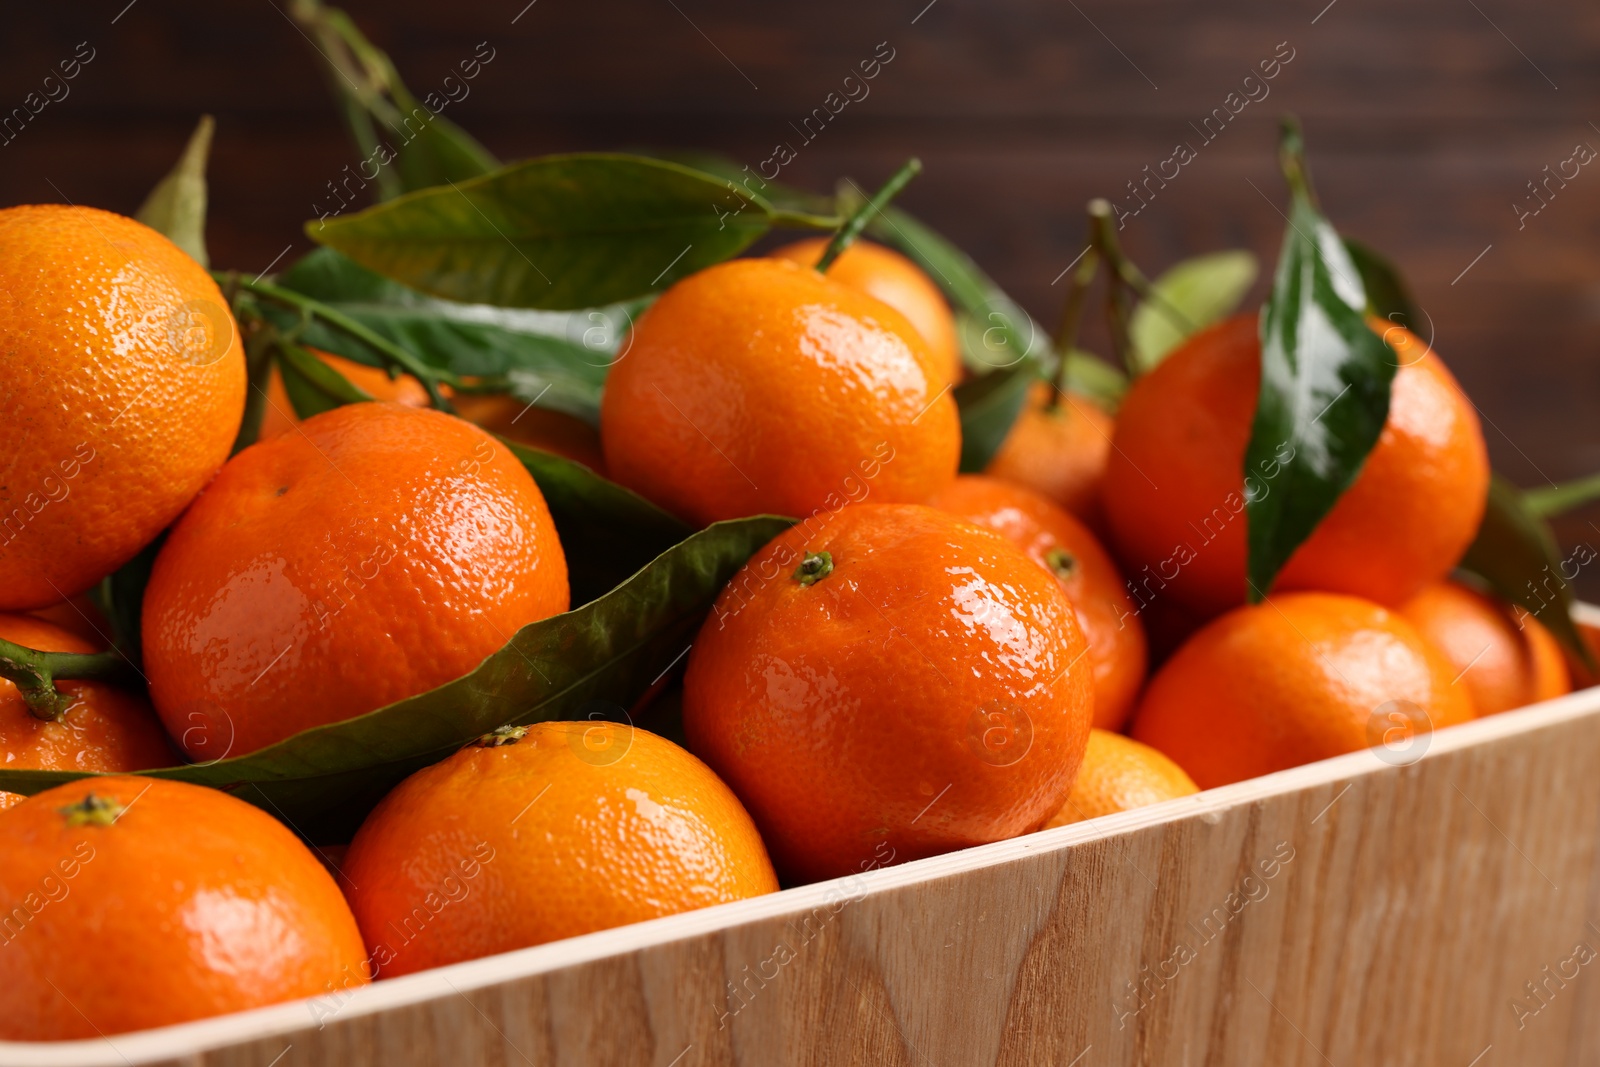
(1426, 123)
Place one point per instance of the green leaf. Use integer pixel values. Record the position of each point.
(558, 232)
(1192, 295)
(1388, 296)
(1324, 387)
(607, 532)
(989, 407)
(176, 207)
(312, 385)
(555, 360)
(1516, 554)
(322, 781)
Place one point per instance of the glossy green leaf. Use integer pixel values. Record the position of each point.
(1388, 296)
(558, 232)
(1324, 387)
(322, 781)
(176, 207)
(555, 360)
(608, 532)
(1191, 296)
(1516, 554)
(312, 385)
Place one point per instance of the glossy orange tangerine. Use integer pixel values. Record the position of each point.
(136, 902)
(124, 386)
(1059, 450)
(1065, 547)
(760, 386)
(1299, 678)
(378, 553)
(104, 728)
(544, 832)
(886, 683)
(889, 276)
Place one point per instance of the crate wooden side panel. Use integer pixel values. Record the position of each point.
(1379, 915)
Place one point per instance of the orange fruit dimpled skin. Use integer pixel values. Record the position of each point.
(1300, 678)
(1119, 774)
(103, 729)
(887, 275)
(380, 552)
(1504, 656)
(125, 384)
(155, 903)
(1065, 547)
(570, 828)
(760, 386)
(918, 689)
(1059, 451)
(1174, 489)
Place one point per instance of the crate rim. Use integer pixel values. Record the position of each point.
(207, 1035)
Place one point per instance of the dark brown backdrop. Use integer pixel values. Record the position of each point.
(1426, 122)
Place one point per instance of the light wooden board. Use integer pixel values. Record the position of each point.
(1407, 910)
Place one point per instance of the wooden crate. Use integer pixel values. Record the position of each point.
(1353, 913)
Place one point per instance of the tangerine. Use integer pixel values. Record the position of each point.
(542, 832)
(136, 902)
(1065, 547)
(1059, 450)
(125, 383)
(1299, 678)
(888, 683)
(103, 728)
(1120, 774)
(760, 386)
(1175, 482)
(380, 552)
(890, 277)
(1503, 655)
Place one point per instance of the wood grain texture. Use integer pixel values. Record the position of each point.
(1349, 912)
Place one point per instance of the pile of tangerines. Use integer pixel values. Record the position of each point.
(923, 662)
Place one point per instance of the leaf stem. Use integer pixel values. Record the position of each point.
(1072, 315)
(1127, 277)
(1556, 500)
(1292, 161)
(430, 377)
(804, 220)
(847, 233)
(34, 673)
